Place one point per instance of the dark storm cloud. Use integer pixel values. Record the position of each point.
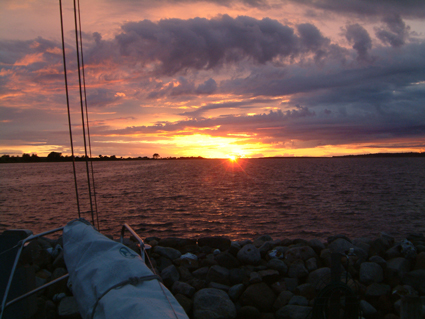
(395, 33)
(371, 8)
(208, 87)
(102, 97)
(359, 37)
(392, 69)
(227, 105)
(178, 45)
(231, 123)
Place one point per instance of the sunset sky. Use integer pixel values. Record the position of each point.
(216, 78)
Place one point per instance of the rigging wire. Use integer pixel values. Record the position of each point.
(69, 113)
(82, 113)
(87, 115)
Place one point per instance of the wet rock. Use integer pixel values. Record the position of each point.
(68, 308)
(258, 295)
(370, 272)
(296, 253)
(236, 291)
(258, 242)
(249, 254)
(226, 259)
(218, 274)
(167, 252)
(210, 303)
(185, 302)
(248, 312)
(170, 275)
(221, 243)
(293, 312)
(297, 270)
(183, 289)
(282, 299)
(278, 265)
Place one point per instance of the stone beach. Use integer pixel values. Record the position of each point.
(267, 278)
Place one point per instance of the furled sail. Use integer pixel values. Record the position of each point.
(109, 280)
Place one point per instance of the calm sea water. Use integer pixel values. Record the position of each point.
(286, 198)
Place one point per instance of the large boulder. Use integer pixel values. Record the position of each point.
(297, 269)
(167, 252)
(370, 272)
(249, 254)
(170, 275)
(219, 275)
(320, 278)
(226, 259)
(278, 265)
(210, 303)
(258, 295)
(416, 279)
(293, 312)
(183, 289)
(258, 242)
(303, 253)
(399, 266)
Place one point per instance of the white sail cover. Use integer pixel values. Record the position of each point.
(100, 272)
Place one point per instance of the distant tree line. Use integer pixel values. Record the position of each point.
(58, 157)
(409, 154)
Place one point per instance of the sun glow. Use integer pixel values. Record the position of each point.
(232, 158)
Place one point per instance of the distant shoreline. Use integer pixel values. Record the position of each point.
(26, 158)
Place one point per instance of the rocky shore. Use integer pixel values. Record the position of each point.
(214, 277)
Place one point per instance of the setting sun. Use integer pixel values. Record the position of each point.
(232, 158)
